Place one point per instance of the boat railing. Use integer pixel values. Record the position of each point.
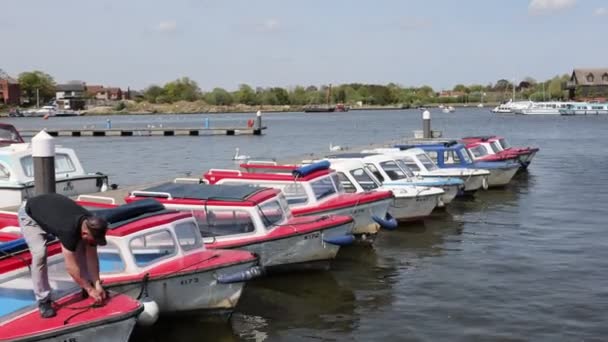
(238, 172)
(184, 180)
(142, 193)
(261, 162)
(91, 198)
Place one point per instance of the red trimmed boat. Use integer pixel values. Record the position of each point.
(77, 319)
(158, 253)
(315, 190)
(497, 149)
(257, 220)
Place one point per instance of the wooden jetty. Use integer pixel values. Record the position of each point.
(143, 132)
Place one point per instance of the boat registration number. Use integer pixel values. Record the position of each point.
(312, 236)
(71, 339)
(188, 281)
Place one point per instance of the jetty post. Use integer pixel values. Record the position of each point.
(426, 124)
(43, 155)
(257, 127)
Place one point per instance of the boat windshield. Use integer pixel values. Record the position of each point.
(223, 221)
(393, 170)
(63, 164)
(427, 162)
(9, 135)
(406, 169)
(504, 144)
(364, 179)
(411, 163)
(479, 151)
(152, 247)
(324, 187)
(110, 259)
(465, 155)
(495, 146)
(272, 213)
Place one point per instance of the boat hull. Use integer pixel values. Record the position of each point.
(501, 177)
(365, 228)
(13, 195)
(450, 192)
(408, 209)
(197, 292)
(111, 332)
(297, 252)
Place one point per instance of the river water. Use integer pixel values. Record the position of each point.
(527, 262)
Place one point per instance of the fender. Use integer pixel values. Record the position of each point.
(389, 222)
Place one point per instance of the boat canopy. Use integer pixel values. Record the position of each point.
(205, 192)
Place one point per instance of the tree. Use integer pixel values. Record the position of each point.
(461, 88)
(37, 80)
(245, 95)
(555, 88)
(219, 97)
(183, 89)
(298, 96)
(502, 85)
(152, 93)
(281, 95)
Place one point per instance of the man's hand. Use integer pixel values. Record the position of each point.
(98, 287)
(96, 294)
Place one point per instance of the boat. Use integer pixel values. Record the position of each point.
(258, 220)
(543, 108)
(421, 164)
(448, 109)
(511, 107)
(9, 135)
(314, 190)
(17, 174)
(77, 318)
(45, 111)
(319, 109)
(159, 254)
(497, 145)
(453, 154)
(394, 173)
(584, 108)
(412, 203)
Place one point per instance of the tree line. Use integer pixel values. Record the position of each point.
(186, 89)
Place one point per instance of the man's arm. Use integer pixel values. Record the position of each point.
(74, 271)
(93, 263)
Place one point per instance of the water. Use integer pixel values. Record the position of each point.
(527, 262)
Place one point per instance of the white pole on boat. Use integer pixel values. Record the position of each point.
(257, 127)
(43, 153)
(426, 124)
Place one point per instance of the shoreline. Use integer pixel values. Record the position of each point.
(199, 108)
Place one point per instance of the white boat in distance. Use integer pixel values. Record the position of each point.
(511, 107)
(544, 108)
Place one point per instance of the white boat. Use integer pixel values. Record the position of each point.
(40, 112)
(258, 220)
(315, 190)
(157, 253)
(17, 174)
(544, 108)
(422, 165)
(394, 173)
(511, 107)
(584, 108)
(411, 202)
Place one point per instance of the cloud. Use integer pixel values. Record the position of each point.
(166, 26)
(270, 25)
(548, 6)
(414, 24)
(600, 11)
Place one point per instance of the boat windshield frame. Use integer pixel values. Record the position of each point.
(281, 205)
(429, 164)
(465, 156)
(397, 172)
(371, 180)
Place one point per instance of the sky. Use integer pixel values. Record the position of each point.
(224, 43)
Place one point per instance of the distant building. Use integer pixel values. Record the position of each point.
(99, 92)
(70, 96)
(588, 84)
(10, 91)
